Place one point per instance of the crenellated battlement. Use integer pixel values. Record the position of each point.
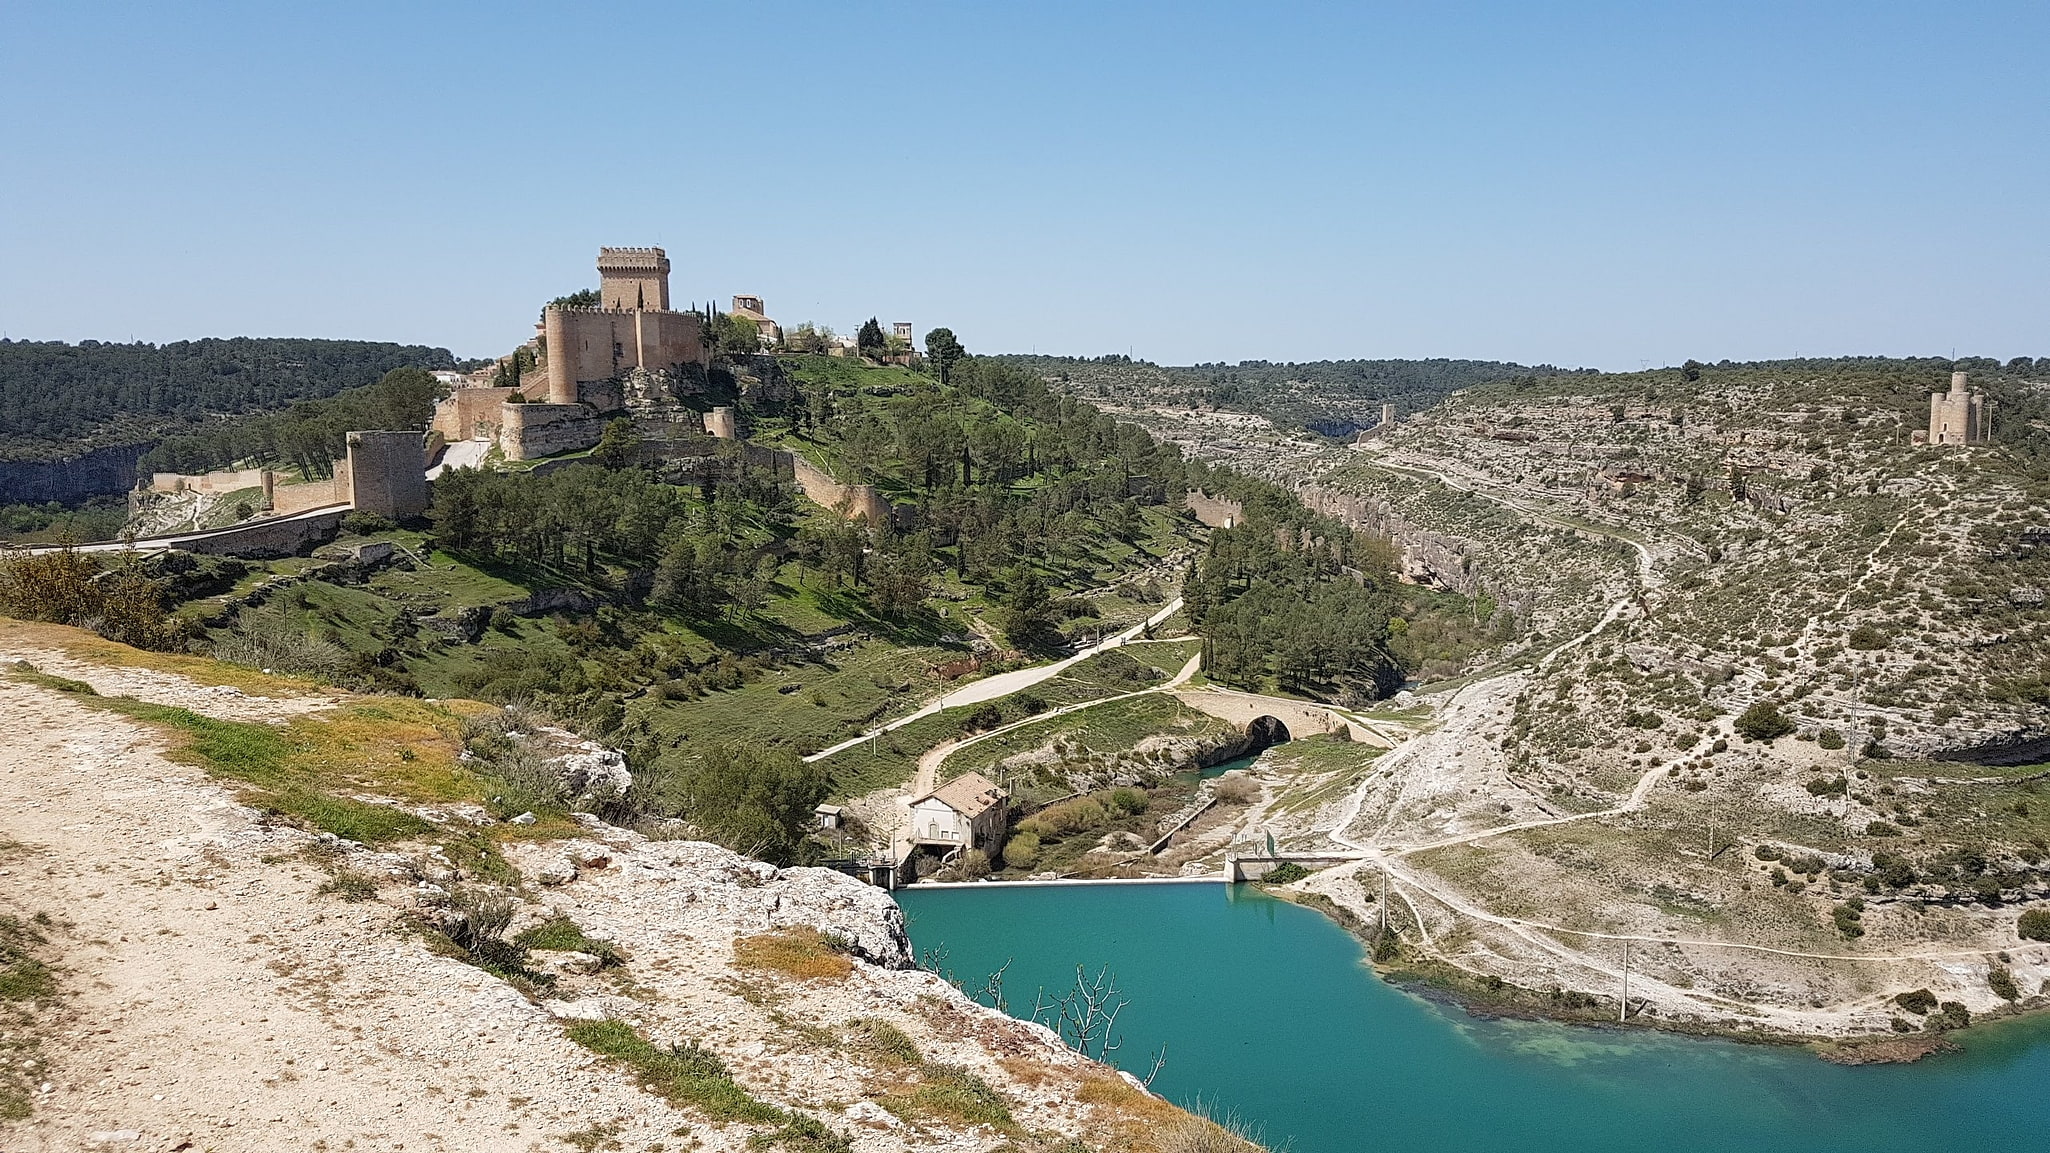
(633, 259)
(602, 310)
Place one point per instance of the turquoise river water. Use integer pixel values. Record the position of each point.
(1268, 1011)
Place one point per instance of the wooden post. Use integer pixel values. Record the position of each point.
(1623, 1012)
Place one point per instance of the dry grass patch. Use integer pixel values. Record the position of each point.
(805, 954)
(94, 649)
(941, 1092)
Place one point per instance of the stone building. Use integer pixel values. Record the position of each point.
(750, 308)
(967, 812)
(1960, 416)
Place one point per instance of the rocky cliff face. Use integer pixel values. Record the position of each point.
(101, 472)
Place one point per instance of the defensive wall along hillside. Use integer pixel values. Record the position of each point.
(855, 501)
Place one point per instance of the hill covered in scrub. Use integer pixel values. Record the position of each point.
(1330, 397)
(1775, 681)
(58, 400)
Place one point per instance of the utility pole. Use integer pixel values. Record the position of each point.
(1623, 1011)
(1384, 900)
(1711, 827)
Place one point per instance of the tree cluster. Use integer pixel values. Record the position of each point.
(1296, 597)
(310, 434)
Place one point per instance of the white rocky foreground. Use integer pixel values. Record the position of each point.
(212, 999)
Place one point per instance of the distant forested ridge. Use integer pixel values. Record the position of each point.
(58, 400)
(311, 434)
(1333, 397)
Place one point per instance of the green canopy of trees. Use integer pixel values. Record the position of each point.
(311, 434)
(56, 396)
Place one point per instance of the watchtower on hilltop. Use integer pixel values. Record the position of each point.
(1960, 416)
(633, 278)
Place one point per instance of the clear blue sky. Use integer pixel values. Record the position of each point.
(1577, 183)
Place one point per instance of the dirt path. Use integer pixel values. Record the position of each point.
(1003, 684)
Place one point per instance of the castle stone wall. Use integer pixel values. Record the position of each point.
(268, 537)
(287, 499)
(387, 475)
(534, 430)
(210, 482)
(1217, 512)
(588, 345)
(470, 413)
(720, 422)
(854, 501)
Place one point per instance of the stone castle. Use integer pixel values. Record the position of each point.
(1960, 416)
(627, 351)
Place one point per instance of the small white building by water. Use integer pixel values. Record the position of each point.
(966, 813)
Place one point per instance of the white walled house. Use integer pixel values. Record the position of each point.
(966, 812)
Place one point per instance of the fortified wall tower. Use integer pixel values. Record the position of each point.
(1959, 416)
(633, 278)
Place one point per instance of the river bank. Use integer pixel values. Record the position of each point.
(1269, 1011)
(1485, 996)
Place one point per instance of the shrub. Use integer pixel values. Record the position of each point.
(2034, 925)
(1848, 921)
(1894, 871)
(1828, 786)
(1022, 850)
(1881, 829)
(1763, 721)
(1065, 819)
(1200, 1134)
(349, 885)
(23, 976)
(1768, 852)
(975, 864)
(1955, 1016)
(1286, 873)
(475, 925)
(685, 1073)
(1918, 1001)
(1129, 800)
(1868, 639)
(562, 934)
(1830, 739)
(955, 1094)
(2001, 980)
(1236, 790)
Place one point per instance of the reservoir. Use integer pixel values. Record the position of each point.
(1268, 1012)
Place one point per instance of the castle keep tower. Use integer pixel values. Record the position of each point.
(633, 278)
(632, 327)
(1959, 416)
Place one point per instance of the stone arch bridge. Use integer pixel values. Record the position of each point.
(1296, 718)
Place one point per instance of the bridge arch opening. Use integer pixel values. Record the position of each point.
(1265, 732)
